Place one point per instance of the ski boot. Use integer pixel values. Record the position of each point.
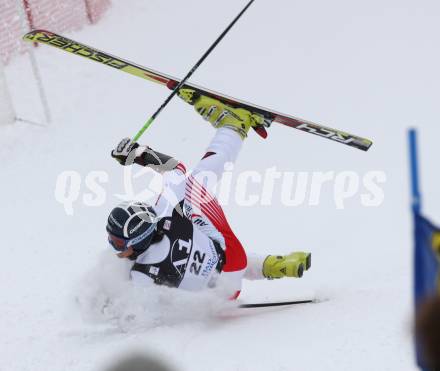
(292, 265)
(221, 115)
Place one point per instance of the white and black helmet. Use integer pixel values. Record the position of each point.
(131, 224)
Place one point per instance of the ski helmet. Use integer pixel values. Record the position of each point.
(131, 224)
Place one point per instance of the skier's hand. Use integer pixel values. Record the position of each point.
(125, 151)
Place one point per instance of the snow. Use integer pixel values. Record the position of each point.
(370, 69)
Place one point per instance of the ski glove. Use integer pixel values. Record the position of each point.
(128, 152)
(123, 151)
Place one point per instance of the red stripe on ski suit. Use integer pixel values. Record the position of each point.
(197, 195)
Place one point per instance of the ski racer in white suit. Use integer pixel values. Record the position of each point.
(183, 239)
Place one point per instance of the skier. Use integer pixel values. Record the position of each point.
(183, 239)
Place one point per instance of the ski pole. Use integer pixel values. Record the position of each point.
(176, 89)
(278, 304)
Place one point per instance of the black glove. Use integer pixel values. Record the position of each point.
(128, 152)
(123, 151)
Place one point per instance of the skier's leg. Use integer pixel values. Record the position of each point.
(200, 186)
(232, 127)
(223, 149)
(254, 269)
(203, 203)
(236, 259)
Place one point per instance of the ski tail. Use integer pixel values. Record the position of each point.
(325, 132)
(74, 47)
(277, 304)
(291, 121)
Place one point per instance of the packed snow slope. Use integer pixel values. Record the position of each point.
(370, 68)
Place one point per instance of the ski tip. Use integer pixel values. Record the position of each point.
(32, 34)
(28, 36)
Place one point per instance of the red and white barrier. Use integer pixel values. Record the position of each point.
(55, 15)
(20, 16)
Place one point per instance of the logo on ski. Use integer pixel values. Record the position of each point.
(326, 133)
(76, 48)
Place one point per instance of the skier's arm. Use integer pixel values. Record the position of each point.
(174, 172)
(128, 152)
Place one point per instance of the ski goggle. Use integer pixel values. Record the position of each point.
(118, 243)
(121, 244)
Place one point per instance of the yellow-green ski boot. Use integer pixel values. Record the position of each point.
(292, 265)
(221, 115)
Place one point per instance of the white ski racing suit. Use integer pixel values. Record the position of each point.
(198, 244)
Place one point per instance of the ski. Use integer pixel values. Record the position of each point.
(74, 47)
(277, 304)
